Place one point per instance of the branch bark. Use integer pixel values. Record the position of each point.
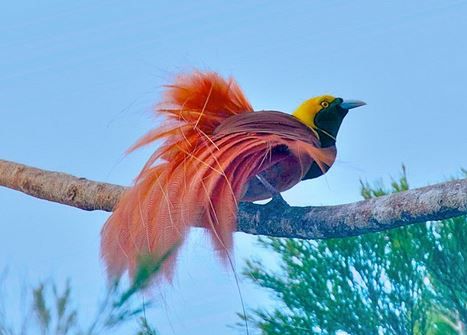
(435, 202)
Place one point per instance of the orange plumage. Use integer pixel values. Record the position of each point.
(213, 146)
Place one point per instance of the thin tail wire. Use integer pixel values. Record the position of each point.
(214, 230)
(229, 258)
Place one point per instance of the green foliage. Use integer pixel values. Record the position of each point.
(64, 317)
(54, 313)
(410, 280)
(145, 273)
(145, 327)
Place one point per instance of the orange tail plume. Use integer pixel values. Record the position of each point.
(213, 146)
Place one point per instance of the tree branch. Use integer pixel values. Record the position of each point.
(435, 202)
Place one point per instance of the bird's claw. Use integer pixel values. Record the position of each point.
(278, 200)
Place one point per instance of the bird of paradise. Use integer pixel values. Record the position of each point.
(215, 152)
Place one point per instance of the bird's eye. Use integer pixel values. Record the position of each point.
(325, 104)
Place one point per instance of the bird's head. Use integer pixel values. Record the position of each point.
(324, 114)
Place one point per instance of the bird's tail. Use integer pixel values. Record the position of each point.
(186, 181)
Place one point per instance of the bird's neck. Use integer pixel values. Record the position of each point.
(325, 139)
(328, 123)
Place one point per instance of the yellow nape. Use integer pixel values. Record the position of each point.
(307, 111)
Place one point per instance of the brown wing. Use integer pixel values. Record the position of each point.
(284, 166)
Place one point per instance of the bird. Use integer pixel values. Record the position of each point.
(214, 152)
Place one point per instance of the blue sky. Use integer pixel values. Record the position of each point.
(78, 81)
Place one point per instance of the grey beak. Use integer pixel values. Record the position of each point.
(349, 104)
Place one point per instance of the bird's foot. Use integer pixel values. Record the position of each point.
(277, 199)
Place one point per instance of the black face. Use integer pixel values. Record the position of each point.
(328, 122)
